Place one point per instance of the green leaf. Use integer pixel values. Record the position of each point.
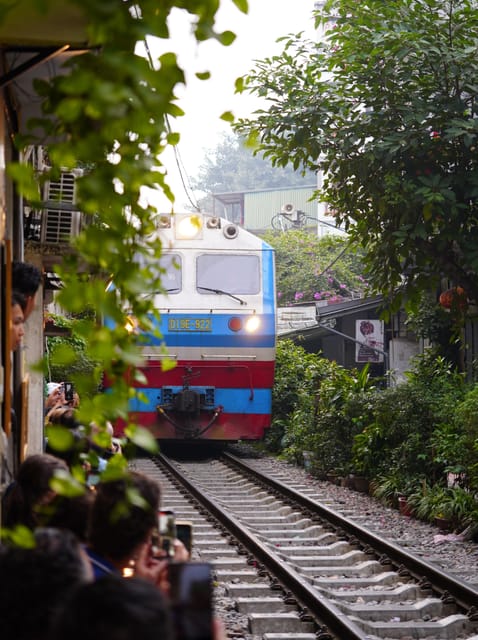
(227, 116)
(142, 438)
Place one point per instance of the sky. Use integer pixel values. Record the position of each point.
(205, 101)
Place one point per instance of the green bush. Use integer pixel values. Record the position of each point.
(318, 407)
(67, 357)
(466, 433)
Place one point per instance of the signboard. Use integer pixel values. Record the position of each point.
(369, 333)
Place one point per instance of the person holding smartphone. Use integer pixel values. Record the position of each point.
(121, 533)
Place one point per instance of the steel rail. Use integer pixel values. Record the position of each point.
(324, 612)
(465, 594)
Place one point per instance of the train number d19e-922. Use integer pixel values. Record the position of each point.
(218, 323)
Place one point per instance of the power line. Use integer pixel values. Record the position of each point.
(183, 175)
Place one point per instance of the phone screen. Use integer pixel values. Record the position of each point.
(167, 530)
(184, 532)
(68, 391)
(191, 600)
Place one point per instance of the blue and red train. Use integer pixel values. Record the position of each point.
(218, 323)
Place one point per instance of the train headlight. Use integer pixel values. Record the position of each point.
(252, 324)
(188, 227)
(131, 324)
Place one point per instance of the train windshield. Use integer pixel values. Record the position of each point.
(228, 273)
(171, 272)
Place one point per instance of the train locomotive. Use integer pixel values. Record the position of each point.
(218, 324)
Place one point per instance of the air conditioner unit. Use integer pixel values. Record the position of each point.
(290, 210)
(60, 218)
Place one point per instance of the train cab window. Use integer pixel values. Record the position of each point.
(171, 272)
(228, 273)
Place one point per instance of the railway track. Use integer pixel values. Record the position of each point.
(294, 568)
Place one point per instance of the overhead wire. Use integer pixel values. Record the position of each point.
(183, 174)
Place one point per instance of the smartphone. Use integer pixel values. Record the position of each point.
(191, 596)
(68, 390)
(184, 532)
(167, 530)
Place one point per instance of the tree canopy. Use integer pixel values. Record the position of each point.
(232, 166)
(386, 106)
(313, 269)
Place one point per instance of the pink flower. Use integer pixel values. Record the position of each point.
(317, 295)
(342, 286)
(299, 295)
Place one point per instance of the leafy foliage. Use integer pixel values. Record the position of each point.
(310, 268)
(110, 114)
(406, 439)
(317, 410)
(386, 106)
(67, 359)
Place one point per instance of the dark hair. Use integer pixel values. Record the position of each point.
(70, 512)
(19, 298)
(114, 608)
(32, 483)
(67, 417)
(117, 526)
(26, 277)
(35, 581)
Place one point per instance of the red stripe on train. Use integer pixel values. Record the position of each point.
(231, 375)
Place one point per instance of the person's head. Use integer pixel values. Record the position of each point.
(115, 608)
(70, 512)
(17, 320)
(35, 581)
(26, 279)
(118, 527)
(31, 490)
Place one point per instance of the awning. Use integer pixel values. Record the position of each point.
(36, 44)
(26, 26)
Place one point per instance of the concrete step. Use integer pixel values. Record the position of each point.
(446, 628)
(260, 623)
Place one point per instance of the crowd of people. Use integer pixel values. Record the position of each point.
(84, 563)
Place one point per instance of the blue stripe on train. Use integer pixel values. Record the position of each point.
(180, 329)
(232, 400)
(268, 279)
